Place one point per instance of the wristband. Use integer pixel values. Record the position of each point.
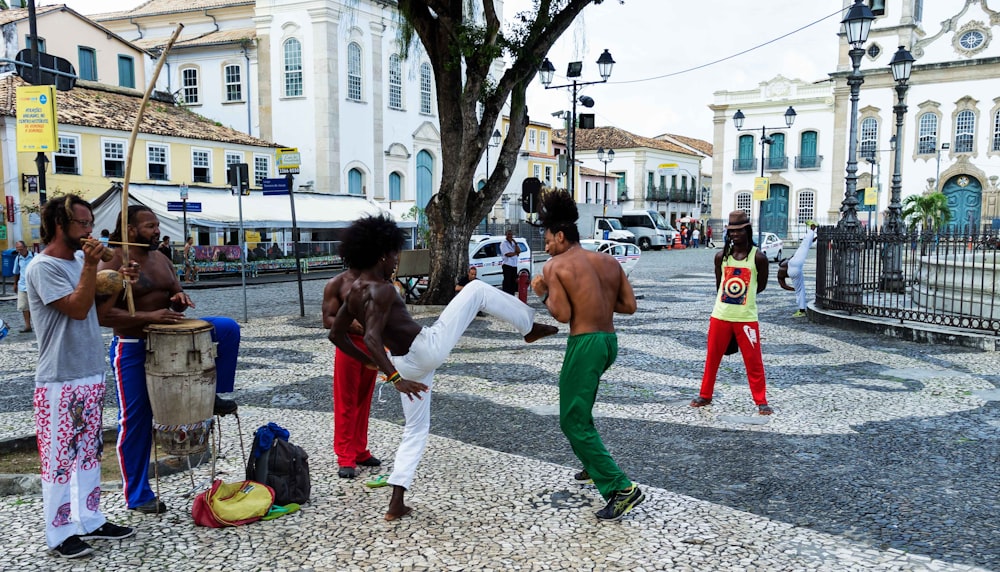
(393, 378)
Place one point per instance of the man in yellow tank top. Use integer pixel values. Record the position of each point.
(740, 274)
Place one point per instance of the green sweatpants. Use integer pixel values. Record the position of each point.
(587, 357)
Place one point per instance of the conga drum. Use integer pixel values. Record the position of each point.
(180, 380)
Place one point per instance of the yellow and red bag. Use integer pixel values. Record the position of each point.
(232, 504)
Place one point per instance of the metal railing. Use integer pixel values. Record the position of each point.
(745, 165)
(942, 279)
(808, 161)
(777, 163)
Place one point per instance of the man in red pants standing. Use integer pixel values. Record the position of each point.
(353, 385)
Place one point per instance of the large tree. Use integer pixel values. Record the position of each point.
(462, 39)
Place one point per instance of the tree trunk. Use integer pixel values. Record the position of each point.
(449, 250)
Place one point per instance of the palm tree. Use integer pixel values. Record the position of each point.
(929, 212)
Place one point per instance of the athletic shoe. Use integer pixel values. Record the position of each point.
(109, 531)
(799, 314)
(583, 477)
(154, 506)
(73, 547)
(621, 503)
(346, 472)
(370, 462)
(224, 406)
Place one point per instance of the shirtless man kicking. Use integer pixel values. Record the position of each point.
(371, 246)
(585, 289)
(158, 300)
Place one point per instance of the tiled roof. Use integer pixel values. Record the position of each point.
(703, 146)
(18, 14)
(154, 7)
(210, 39)
(615, 138)
(95, 105)
(594, 172)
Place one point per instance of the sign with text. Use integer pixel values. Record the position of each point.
(36, 118)
(288, 159)
(275, 186)
(761, 188)
(871, 196)
(178, 206)
(667, 169)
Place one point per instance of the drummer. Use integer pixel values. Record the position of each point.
(158, 300)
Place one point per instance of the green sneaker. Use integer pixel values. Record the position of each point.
(583, 477)
(621, 503)
(799, 314)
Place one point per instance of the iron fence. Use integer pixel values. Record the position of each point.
(944, 279)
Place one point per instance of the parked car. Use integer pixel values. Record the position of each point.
(771, 245)
(484, 254)
(626, 254)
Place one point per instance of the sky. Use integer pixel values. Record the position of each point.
(654, 42)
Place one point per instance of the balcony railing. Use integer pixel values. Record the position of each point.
(656, 194)
(777, 163)
(808, 161)
(745, 165)
(683, 195)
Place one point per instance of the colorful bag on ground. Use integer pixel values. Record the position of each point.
(232, 504)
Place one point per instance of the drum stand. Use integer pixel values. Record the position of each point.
(215, 446)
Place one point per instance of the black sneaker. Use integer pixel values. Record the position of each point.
(109, 531)
(154, 506)
(621, 502)
(73, 547)
(583, 477)
(370, 462)
(224, 406)
(346, 472)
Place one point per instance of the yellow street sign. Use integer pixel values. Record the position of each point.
(761, 188)
(36, 118)
(667, 169)
(287, 158)
(871, 196)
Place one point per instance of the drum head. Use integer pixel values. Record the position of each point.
(187, 326)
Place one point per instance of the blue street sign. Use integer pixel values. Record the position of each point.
(178, 206)
(275, 186)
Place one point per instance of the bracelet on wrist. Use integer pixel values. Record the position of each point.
(393, 378)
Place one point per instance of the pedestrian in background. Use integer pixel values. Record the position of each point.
(21, 261)
(695, 238)
(510, 251)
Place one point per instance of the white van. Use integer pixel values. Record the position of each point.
(612, 229)
(651, 230)
(484, 255)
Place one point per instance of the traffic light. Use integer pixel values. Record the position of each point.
(238, 177)
(531, 189)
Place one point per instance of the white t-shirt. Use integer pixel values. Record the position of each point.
(506, 247)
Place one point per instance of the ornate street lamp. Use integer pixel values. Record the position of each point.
(738, 120)
(494, 142)
(893, 231)
(545, 74)
(856, 26)
(605, 159)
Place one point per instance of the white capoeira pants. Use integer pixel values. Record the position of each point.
(68, 425)
(429, 350)
(795, 264)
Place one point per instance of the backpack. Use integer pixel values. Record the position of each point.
(279, 464)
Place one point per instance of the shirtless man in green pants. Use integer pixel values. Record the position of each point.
(585, 289)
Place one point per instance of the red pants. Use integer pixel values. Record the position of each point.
(353, 384)
(748, 338)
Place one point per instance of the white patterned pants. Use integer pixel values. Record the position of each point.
(68, 425)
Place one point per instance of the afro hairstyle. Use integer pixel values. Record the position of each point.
(368, 239)
(558, 213)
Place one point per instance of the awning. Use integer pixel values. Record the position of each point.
(221, 209)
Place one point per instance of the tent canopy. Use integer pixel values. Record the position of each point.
(220, 209)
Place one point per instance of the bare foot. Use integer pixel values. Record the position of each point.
(539, 331)
(391, 515)
(397, 509)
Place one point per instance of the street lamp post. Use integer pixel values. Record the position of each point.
(893, 232)
(545, 73)
(857, 23)
(494, 142)
(738, 119)
(605, 159)
(937, 177)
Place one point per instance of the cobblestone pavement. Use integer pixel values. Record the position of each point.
(882, 454)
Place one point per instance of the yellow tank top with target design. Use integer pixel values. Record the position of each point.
(736, 300)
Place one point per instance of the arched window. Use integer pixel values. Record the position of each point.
(355, 182)
(807, 206)
(354, 71)
(965, 129)
(293, 67)
(743, 201)
(745, 161)
(996, 132)
(395, 186)
(869, 138)
(395, 83)
(808, 158)
(189, 85)
(928, 126)
(425, 178)
(425, 88)
(776, 157)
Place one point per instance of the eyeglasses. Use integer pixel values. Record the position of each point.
(83, 223)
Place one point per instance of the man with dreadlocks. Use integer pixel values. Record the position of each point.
(740, 274)
(371, 246)
(585, 289)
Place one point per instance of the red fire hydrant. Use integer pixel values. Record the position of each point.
(523, 280)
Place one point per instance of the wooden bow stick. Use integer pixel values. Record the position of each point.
(128, 158)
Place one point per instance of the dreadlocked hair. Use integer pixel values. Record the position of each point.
(558, 213)
(368, 239)
(727, 248)
(57, 214)
(133, 211)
